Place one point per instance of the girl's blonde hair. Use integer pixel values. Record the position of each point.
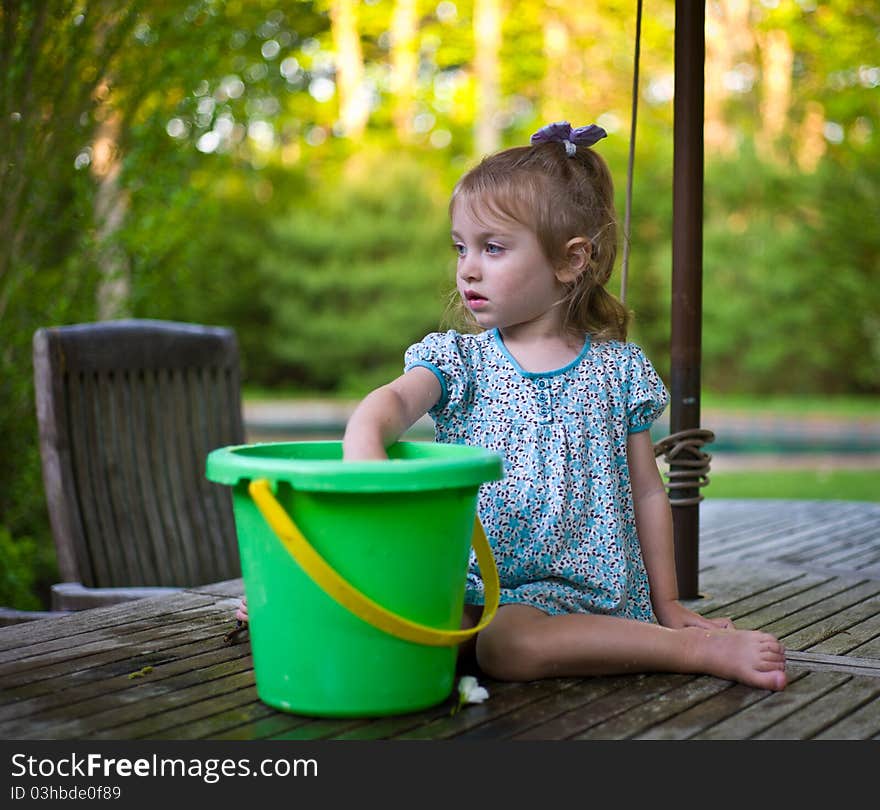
(559, 198)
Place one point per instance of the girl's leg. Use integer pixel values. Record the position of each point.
(523, 643)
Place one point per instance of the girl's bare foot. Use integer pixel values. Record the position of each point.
(748, 656)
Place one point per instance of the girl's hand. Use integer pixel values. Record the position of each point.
(242, 614)
(675, 615)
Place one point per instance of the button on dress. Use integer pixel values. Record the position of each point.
(561, 522)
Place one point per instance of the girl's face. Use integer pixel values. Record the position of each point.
(503, 276)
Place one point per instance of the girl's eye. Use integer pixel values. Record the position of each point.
(461, 250)
(493, 249)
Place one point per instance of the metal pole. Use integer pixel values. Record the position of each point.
(687, 270)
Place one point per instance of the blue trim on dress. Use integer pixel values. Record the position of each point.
(499, 342)
(639, 429)
(444, 391)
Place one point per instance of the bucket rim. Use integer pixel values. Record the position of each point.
(412, 467)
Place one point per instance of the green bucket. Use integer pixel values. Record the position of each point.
(325, 542)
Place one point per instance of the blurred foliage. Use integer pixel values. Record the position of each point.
(195, 152)
(350, 274)
(805, 281)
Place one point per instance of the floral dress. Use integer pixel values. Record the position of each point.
(561, 522)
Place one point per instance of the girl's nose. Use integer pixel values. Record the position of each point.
(468, 267)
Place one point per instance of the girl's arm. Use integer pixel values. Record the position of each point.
(385, 414)
(654, 527)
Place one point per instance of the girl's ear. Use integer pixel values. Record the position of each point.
(577, 258)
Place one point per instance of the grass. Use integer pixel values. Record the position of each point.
(819, 485)
(844, 407)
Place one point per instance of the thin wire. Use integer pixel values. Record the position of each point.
(624, 271)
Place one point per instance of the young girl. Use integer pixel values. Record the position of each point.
(580, 526)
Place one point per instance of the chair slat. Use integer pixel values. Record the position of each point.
(177, 454)
(219, 546)
(123, 552)
(88, 467)
(201, 507)
(128, 412)
(154, 534)
(177, 568)
(220, 431)
(127, 434)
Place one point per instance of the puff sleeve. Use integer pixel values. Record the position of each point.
(647, 396)
(443, 354)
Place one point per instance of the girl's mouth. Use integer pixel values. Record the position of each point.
(475, 300)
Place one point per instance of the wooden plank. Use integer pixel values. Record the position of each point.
(789, 541)
(134, 538)
(164, 556)
(813, 622)
(736, 533)
(222, 724)
(745, 539)
(505, 698)
(860, 725)
(36, 638)
(541, 713)
(192, 472)
(51, 383)
(836, 663)
(137, 714)
(794, 612)
(180, 707)
(171, 467)
(30, 674)
(321, 729)
(869, 648)
(215, 546)
(738, 590)
(163, 463)
(262, 728)
(841, 623)
(796, 699)
(180, 621)
(706, 714)
(69, 690)
(18, 641)
(382, 728)
(594, 701)
(95, 568)
(858, 550)
(856, 696)
(634, 722)
(779, 528)
(116, 543)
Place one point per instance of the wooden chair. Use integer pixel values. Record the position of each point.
(128, 411)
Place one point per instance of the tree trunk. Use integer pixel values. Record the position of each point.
(114, 289)
(729, 41)
(354, 108)
(404, 66)
(811, 138)
(557, 80)
(777, 59)
(487, 70)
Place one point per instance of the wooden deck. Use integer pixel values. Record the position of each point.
(806, 571)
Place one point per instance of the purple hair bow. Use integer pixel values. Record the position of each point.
(561, 132)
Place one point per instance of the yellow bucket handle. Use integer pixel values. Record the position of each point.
(358, 603)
